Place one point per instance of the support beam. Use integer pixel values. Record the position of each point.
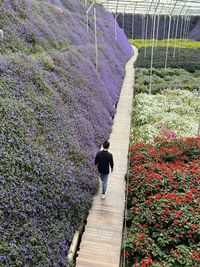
(193, 5)
(116, 26)
(96, 42)
(169, 28)
(143, 30)
(177, 23)
(152, 48)
(164, 30)
(88, 10)
(95, 31)
(116, 15)
(133, 19)
(146, 31)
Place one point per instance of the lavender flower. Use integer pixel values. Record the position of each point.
(55, 111)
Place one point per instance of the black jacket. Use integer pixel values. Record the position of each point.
(104, 159)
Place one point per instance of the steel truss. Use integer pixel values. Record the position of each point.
(162, 7)
(175, 12)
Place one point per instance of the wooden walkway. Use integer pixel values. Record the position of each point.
(101, 241)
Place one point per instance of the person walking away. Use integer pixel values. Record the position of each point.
(104, 161)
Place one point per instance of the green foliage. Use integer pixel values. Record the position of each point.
(182, 43)
(163, 79)
(185, 58)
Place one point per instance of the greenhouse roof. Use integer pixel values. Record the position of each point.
(161, 7)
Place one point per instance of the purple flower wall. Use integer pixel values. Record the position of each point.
(55, 111)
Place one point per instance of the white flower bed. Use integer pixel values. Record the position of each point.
(177, 110)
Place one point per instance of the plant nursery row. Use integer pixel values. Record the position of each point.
(163, 203)
(177, 110)
(164, 79)
(163, 199)
(185, 58)
(178, 43)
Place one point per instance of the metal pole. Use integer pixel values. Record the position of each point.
(158, 25)
(184, 28)
(188, 28)
(152, 50)
(116, 26)
(177, 22)
(95, 32)
(181, 32)
(146, 31)
(165, 17)
(152, 47)
(116, 20)
(142, 30)
(87, 14)
(133, 19)
(152, 18)
(166, 56)
(170, 19)
(132, 26)
(173, 23)
(147, 24)
(123, 19)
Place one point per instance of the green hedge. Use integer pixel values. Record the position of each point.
(185, 58)
(163, 79)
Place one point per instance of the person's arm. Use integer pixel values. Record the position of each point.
(96, 161)
(111, 163)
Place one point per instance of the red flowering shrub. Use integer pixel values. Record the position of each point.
(164, 203)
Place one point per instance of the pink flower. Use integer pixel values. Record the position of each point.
(126, 253)
(179, 214)
(158, 195)
(143, 261)
(175, 222)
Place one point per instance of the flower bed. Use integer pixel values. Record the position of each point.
(185, 58)
(55, 111)
(177, 110)
(163, 79)
(163, 203)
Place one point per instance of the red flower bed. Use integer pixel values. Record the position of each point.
(164, 203)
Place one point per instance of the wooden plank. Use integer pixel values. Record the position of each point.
(101, 241)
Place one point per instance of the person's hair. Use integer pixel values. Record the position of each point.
(106, 145)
